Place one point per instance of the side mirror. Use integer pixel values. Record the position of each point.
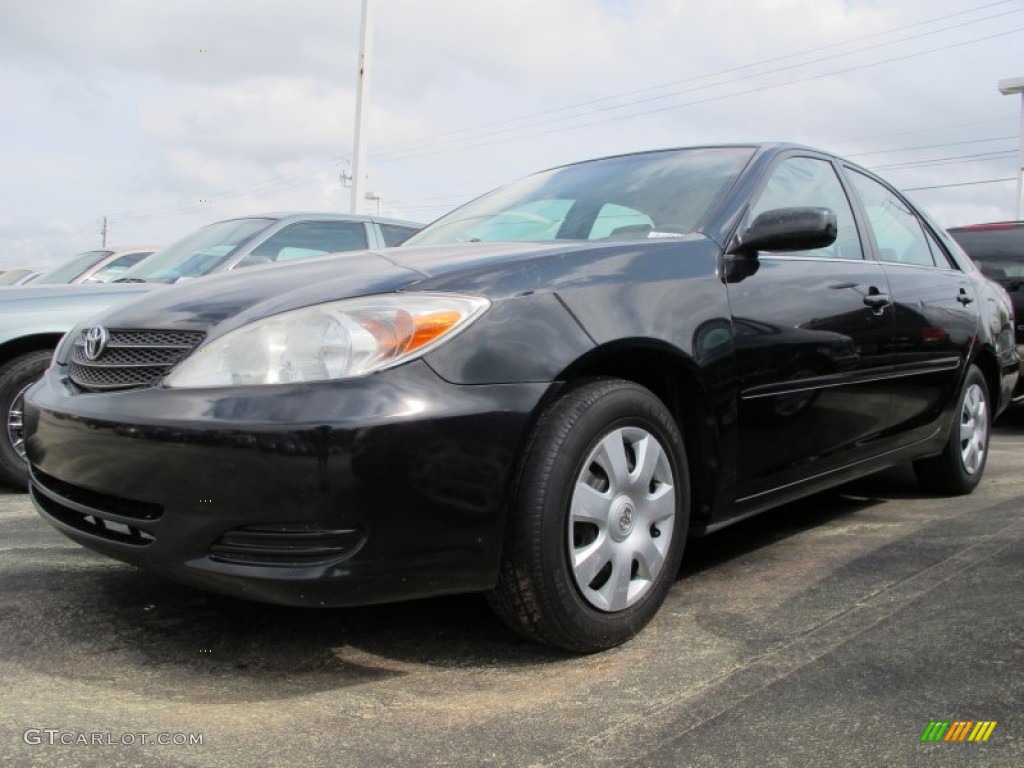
(787, 229)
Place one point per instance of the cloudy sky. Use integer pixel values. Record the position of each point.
(143, 110)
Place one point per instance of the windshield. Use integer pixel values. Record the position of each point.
(998, 250)
(644, 196)
(69, 270)
(197, 254)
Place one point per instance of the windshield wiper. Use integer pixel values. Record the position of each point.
(129, 280)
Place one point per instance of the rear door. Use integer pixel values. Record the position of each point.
(935, 308)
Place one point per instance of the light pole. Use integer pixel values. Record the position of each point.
(1006, 87)
(375, 196)
(362, 95)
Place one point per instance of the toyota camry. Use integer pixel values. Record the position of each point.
(540, 396)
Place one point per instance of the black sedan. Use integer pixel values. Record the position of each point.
(539, 397)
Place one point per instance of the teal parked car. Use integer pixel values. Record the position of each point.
(33, 319)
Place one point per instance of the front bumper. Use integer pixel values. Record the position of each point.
(337, 493)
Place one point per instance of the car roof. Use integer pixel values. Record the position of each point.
(127, 248)
(761, 148)
(327, 216)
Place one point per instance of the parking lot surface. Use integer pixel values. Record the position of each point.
(828, 632)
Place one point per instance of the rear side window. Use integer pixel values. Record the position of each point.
(396, 235)
(938, 252)
(306, 239)
(997, 250)
(898, 232)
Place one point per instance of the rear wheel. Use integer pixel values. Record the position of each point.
(599, 519)
(15, 378)
(960, 466)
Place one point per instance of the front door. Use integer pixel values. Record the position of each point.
(813, 331)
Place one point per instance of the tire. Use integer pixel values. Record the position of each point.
(603, 488)
(15, 378)
(960, 466)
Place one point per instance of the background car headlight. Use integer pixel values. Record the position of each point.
(336, 340)
(62, 352)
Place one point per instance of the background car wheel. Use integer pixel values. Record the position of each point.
(958, 469)
(15, 378)
(599, 518)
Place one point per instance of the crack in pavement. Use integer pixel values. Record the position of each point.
(648, 731)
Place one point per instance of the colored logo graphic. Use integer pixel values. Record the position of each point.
(958, 730)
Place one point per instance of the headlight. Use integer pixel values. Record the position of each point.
(336, 340)
(62, 352)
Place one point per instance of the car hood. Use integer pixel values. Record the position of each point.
(69, 292)
(55, 309)
(230, 300)
(236, 298)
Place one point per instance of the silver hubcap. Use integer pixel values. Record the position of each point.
(973, 429)
(16, 422)
(621, 518)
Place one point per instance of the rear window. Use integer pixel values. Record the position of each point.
(998, 251)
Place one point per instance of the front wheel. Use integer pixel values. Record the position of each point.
(599, 519)
(960, 466)
(15, 378)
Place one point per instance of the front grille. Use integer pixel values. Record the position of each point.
(132, 358)
(285, 544)
(92, 512)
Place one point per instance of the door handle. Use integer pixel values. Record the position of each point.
(876, 300)
(964, 298)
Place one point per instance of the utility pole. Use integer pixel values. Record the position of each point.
(362, 97)
(1015, 85)
(103, 233)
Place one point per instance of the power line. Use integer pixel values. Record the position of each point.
(72, 239)
(631, 101)
(272, 184)
(709, 99)
(948, 160)
(920, 130)
(932, 146)
(960, 184)
(282, 183)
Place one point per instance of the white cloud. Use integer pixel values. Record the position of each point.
(116, 109)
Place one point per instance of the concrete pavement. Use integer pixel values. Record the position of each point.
(829, 632)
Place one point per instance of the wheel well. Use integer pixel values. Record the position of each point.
(989, 368)
(16, 347)
(673, 380)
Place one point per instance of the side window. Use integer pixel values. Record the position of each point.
(306, 239)
(396, 235)
(619, 221)
(806, 181)
(898, 233)
(942, 258)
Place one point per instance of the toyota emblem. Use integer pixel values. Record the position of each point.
(96, 339)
